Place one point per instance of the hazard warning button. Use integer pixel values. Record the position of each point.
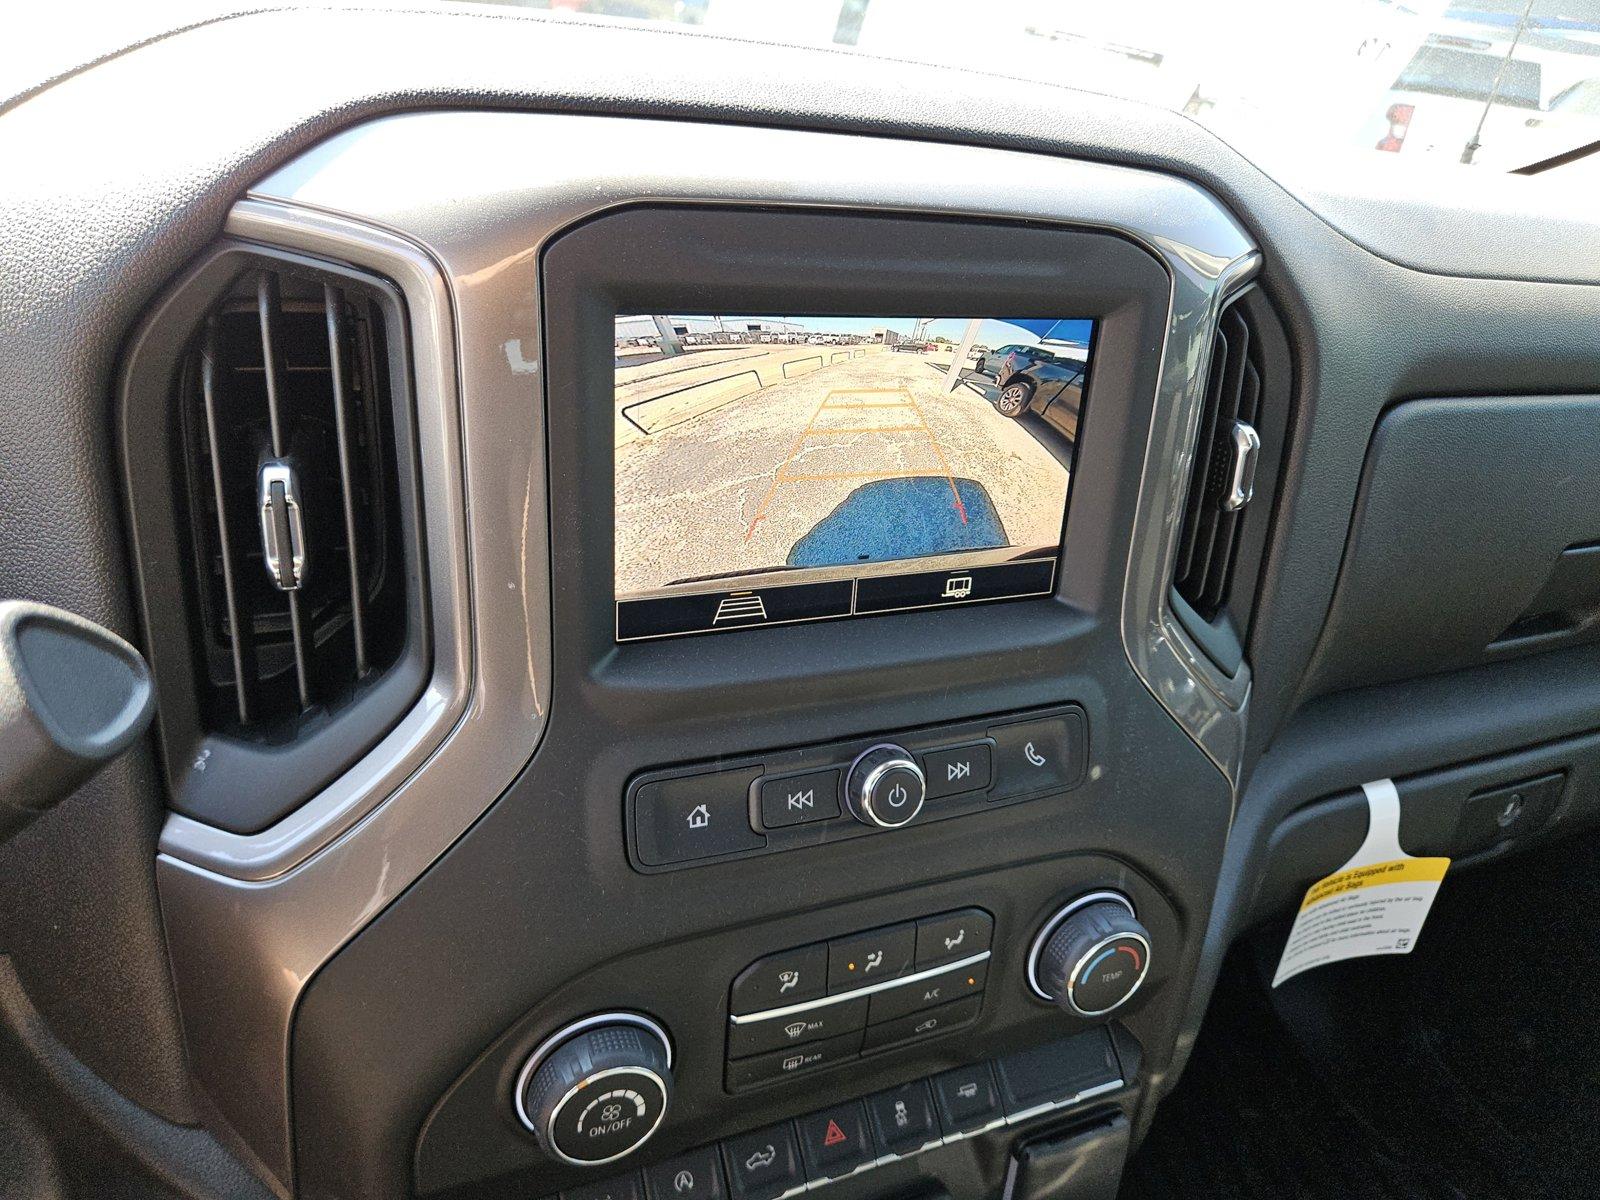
(835, 1142)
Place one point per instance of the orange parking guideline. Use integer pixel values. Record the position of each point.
(773, 487)
(955, 495)
(779, 476)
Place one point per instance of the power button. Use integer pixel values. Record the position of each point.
(885, 787)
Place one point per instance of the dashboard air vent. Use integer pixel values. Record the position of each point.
(292, 638)
(1234, 478)
(289, 488)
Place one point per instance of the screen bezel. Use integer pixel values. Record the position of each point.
(949, 563)
(710, 259)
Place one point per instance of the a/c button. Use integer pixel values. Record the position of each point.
(697, 816)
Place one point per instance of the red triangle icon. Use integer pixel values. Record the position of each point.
(834, 1135)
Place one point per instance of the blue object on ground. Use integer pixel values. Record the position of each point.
(902, 518)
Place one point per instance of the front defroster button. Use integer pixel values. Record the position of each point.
(779, 980)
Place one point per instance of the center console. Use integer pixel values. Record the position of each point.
(876, 799)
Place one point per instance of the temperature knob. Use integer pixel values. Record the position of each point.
(885, 787)
(597, 1090)
(1091, 957)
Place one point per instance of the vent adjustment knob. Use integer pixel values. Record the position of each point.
(598, 1090)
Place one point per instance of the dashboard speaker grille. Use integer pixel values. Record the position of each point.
(276, 524)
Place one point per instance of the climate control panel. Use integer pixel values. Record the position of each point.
(788, 799)
(831, 1002)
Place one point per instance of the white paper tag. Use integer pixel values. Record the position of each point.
(1374, 904)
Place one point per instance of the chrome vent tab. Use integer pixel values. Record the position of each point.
(283, 529)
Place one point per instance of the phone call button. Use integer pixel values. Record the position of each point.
(1037, 756)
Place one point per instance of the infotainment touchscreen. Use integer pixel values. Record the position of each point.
(777, 469)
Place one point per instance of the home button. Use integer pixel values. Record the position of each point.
(695, 816)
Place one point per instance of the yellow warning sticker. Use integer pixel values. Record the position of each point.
(1374, 904)
(1399, 870)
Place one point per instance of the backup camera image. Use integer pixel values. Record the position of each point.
(772, 469)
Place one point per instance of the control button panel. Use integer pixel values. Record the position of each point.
(846, 1139)
(877, 996)
(788, 799)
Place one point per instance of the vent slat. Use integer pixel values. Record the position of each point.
(333, 304)
(236, 637)
(268, 310)
(1209, 539)
(1202, 455)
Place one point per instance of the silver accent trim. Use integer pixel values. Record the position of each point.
(962, 1135)
(251, 919)
(282, 475)
(1246, 445)
(555, 1151)
(1208, 705)
(860, 797)
(1054, 923)
(1077, 969)
(1039, 1110)
(772, 1014)
(565, 1034)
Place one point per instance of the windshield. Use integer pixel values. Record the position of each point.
(1477, 83)
(1485, 85)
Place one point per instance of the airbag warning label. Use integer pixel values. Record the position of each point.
(1375, 904)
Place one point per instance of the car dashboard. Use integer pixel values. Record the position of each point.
(505, 832)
